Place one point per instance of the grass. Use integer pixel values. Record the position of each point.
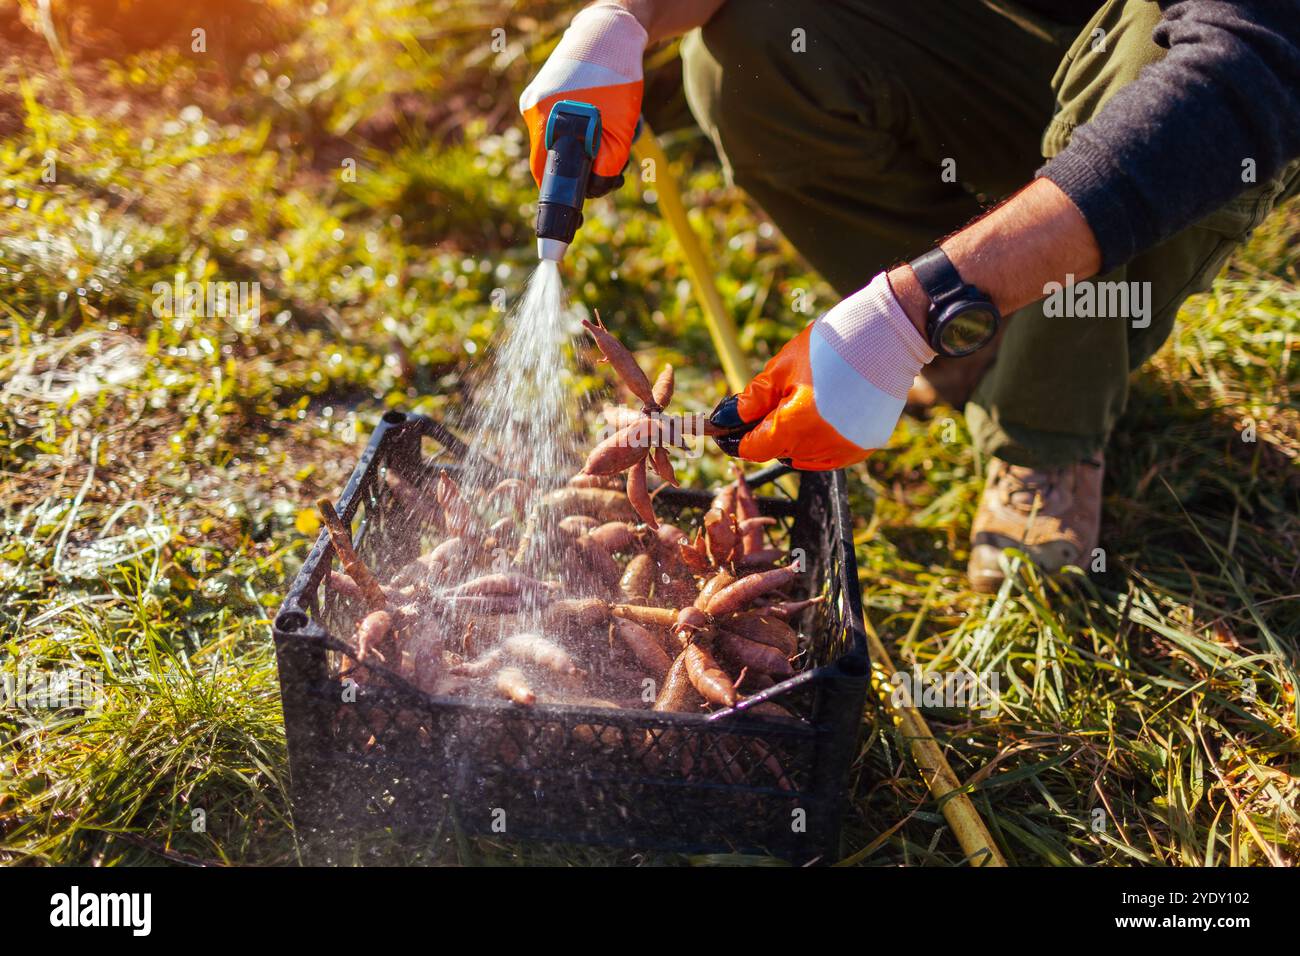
(155, 469)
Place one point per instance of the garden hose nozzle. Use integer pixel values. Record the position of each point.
(572, 141)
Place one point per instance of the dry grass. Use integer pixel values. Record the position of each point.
(154, 471)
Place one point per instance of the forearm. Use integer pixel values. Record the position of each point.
(1219, 112)
(1035, 237)
(663, 19)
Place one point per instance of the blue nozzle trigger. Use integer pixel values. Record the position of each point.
(591, 137)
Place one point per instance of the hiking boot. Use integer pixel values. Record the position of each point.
(1065, 504)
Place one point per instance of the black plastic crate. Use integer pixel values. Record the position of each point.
(396, 763)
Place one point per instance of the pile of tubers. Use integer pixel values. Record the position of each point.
(579, 594)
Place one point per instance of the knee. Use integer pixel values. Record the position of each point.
(762, 79)
(727, 60)
(748, 34)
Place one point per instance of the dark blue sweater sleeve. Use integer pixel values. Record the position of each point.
(1171, 146)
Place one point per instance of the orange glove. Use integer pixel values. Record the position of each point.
(597, 61)
(834, 392)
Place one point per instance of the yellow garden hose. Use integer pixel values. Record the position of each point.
(722, 328)
(967, 825)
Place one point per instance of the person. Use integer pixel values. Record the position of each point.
(1129, 145)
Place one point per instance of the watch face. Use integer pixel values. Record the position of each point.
(963, 332)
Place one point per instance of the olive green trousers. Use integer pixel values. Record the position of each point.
(870, 129)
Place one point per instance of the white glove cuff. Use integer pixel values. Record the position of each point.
(606, 35)
(873, 334)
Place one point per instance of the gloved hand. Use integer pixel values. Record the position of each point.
(597, 61)
(835, 391)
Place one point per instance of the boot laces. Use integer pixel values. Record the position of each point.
(1020, 486)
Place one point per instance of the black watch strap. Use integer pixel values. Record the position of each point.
(937, 275)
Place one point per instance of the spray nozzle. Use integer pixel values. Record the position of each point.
(572, 141)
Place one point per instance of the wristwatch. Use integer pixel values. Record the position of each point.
(961, 319)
